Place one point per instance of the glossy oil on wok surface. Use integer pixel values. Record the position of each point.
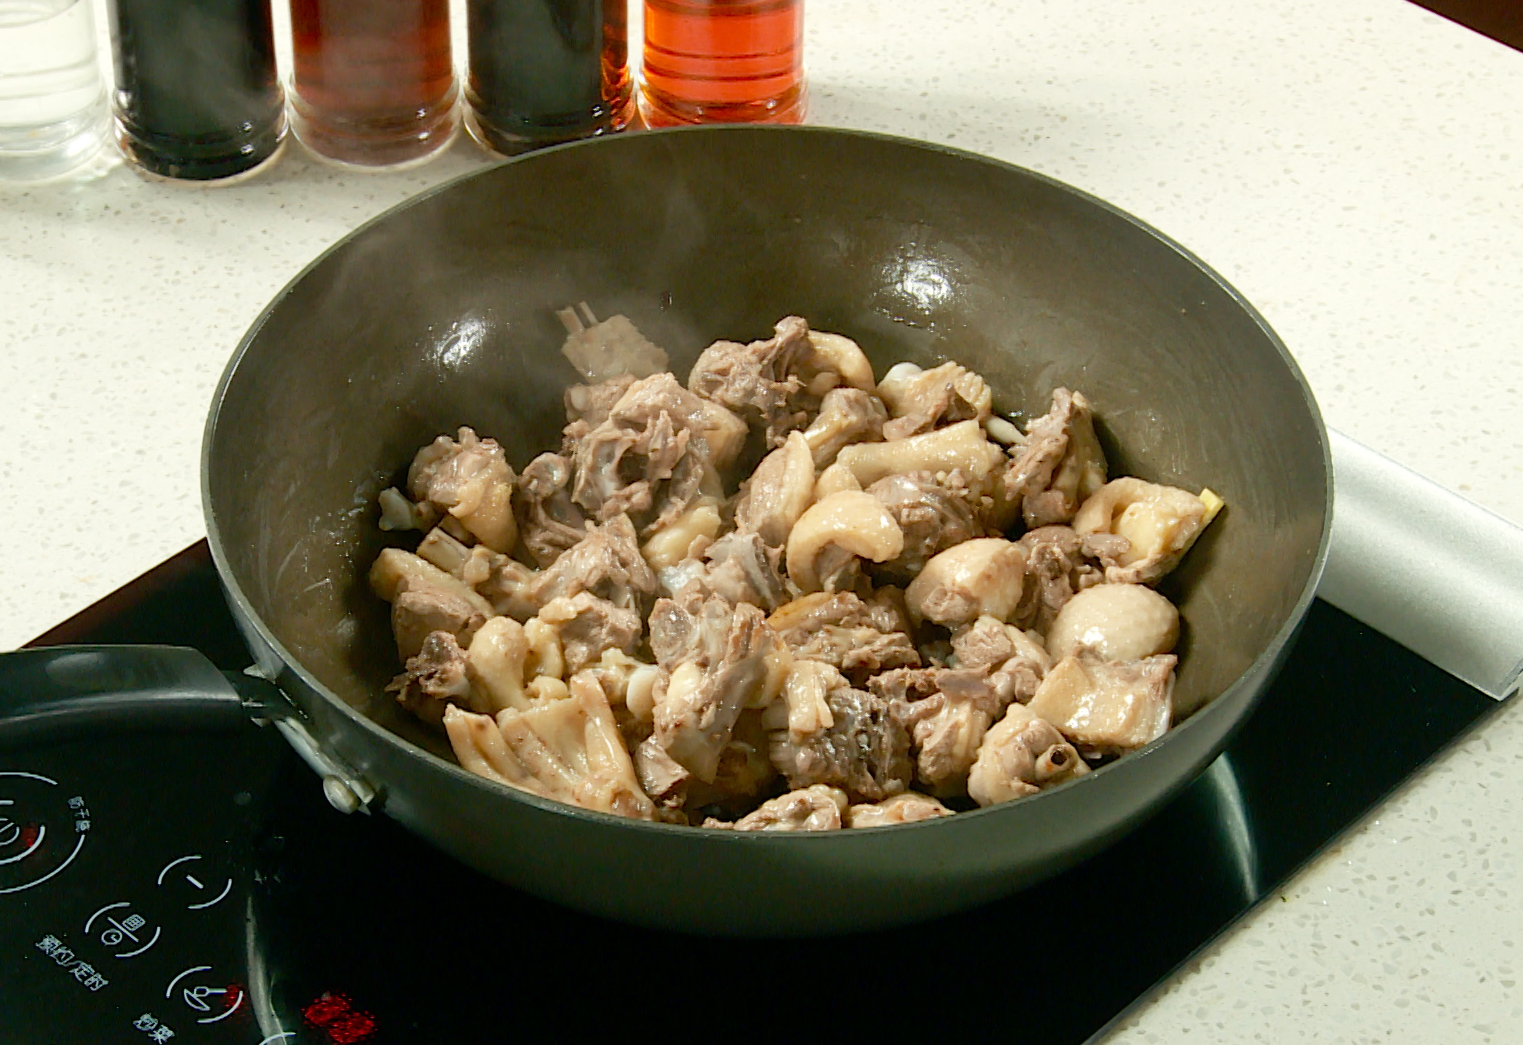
(441, 314)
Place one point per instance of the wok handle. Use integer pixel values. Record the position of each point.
(57, 692)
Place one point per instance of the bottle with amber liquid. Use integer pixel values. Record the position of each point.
(723, 61)
(546, 71)
(372, 81)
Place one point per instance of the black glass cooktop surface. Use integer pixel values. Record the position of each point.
(197, 887)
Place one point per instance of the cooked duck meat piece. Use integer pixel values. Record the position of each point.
(1107, 707)
(684, 537)
(548, 521)
(1058, 563)
(745, 771)
(932, 514)
(435, 678)
(1115, 622)
(606, 349)
(661, 776)
(963, 446)
(496, 663)
(921, 400)
(907, 808)
(778, 492)
(395, 571)
(1021, 754)
(847, 415)
(1017, 660)
(946, 711)
(568, 750)
(468, 478)
(739, 568)
(652, 473)
(591, 404)
(983, 577)
(1060, 464)
(816, 808)
(856, 637)
(606, 562)
(419, 610)
(716, 661)
(1159, 522)
(647, 399)
(587, 626)
(825, 732)
(828, 544)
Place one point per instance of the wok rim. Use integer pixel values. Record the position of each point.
(1264, 664)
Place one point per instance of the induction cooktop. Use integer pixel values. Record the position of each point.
(196, 886)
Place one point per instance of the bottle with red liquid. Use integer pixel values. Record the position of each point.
(372, 81)
(546, 71)
(723, 61)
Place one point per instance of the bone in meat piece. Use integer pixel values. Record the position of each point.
(587, 626)
(778, 492)
(745, 770)
(1115, 622)
(496, 664)
(1017, 661)
(739, 568)
(435, 678)
(983, 577)
(932, 514)
(1020, 755)
(827, 544)
(601, 350)
(963, 446)
(548, 521)
(646, 399)
(568, 750)
(606, 562)
(1061, 463)
(947, 712)
(652, 472)
(395, 571)
(815, 808)
(724, 659)
(591, 404)
(1160, 524)
(907, 808)
(468, 478)
(858, 638)
(418, 612)
(825, 732)
(1107, 707)
(847, 415)
(1059, 563)
(921, 400)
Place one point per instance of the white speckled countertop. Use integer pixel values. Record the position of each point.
(1354, 167)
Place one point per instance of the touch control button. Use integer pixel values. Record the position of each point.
(189, 886)
(42, 829)
(217, 1001)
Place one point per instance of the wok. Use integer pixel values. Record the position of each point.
(440, 313)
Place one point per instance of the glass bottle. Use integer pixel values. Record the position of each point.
(723, 61)
(373, 81)
(546, 71)
(52, 100)
(196, 91)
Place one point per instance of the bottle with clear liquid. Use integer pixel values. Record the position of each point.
(196, 90)
(546, 71)
(723, 61)
(373, 81)
(52, 98)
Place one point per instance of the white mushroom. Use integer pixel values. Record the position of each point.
(962, 445)
(778, 492)
(826, 541)
(1115, 622)
(978, 578)
(1160, 522)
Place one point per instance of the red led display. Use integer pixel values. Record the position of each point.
(337, 1016)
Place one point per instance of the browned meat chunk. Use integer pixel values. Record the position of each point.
(1158, 524)
(921, 400)
(932, 514)
(435, 677)
(825, 732)
(814, 808)
(548, 521)
(1021, 754)
(1061, 463)
(646, 400)
(847, 415)
(588, 625)
(468, 478)
(858, 638)
(652, 473)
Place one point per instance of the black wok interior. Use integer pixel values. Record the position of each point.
(441, 314)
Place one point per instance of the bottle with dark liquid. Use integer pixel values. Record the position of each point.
(373, 81)
(723, 61)
(196, 91)
(546, 71)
